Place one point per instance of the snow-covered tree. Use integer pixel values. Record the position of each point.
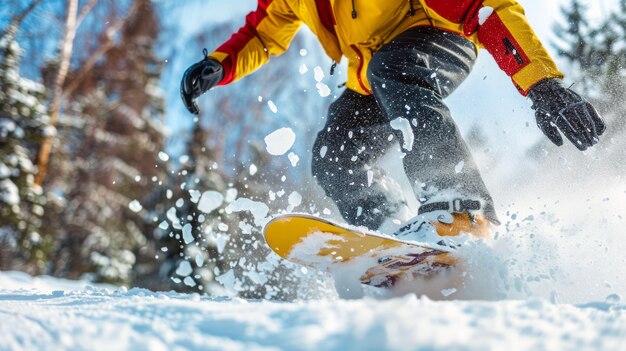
(106, 166)
(23, 122)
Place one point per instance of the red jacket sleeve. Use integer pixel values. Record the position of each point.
(267, 31)
(503, 30)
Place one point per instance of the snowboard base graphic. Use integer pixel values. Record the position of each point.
(379, 260)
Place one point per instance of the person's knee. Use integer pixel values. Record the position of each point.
(377, 70)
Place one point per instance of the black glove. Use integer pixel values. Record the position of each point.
(199, 78)
(558, 108)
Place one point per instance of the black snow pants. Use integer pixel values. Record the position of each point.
(410, 77)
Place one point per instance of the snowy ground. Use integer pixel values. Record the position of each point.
(50, 314)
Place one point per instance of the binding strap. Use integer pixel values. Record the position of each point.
(454, 206)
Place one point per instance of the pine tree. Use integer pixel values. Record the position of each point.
(106, 166)
(575, 37)
(23, 122)
(596, 51)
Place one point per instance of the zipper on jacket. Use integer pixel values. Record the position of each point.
(360, 69)
(353, 10)
(510, 48)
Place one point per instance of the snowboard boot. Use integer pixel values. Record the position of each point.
(438, 223)
(438, 220)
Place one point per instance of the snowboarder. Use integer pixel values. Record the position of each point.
(404, 57)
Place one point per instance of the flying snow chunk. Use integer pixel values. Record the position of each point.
(172, 216)
(259, 210)
(163, 156)
(220, 242)
(295, 199)
(199, 260)
(404, 126)
(280, 141)
(303, 69)
(272, 106)
(293, 158)
(318, 74)
(195, 195)
(303, 52)
(253, 169)
(459, 167)
(187, 236)
(210, 201)
(135, 206)
(323, 151)
(180, 203)
(184, 269)
(189, 282)
(231, 195)
(322, 89)
(483, 14)
(256, 277)
(227, 280)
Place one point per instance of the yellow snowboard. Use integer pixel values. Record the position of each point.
(379, 260)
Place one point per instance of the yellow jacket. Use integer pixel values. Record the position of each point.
(356, 29)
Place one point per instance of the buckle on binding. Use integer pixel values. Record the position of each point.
(456, 205)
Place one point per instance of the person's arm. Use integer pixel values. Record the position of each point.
(267, 31)
(502, 29)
